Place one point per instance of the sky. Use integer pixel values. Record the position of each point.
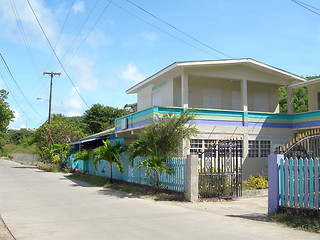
(105, 47)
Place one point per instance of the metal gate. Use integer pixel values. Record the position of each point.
(220, 169)
(305, 145)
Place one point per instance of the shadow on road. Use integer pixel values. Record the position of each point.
(145, 192)
(117, 193)
(31, 167)
(254, 217)
(77, 183)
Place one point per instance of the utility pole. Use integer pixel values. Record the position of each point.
(51, 74)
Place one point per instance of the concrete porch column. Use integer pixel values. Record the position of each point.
(184, 90)
(244, 101)
(244, 95)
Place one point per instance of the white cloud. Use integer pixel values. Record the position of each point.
(23, 126)
(150, 36)
(82, 70)
(16, 114)
(131, 74)
(78, 7)
(9, 27)
(71, 105)
(97, 38)
(16, 121)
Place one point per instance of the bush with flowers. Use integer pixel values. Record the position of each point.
(49, 167)
(257, 182)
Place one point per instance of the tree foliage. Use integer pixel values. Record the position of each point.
(300, 100)
(157, 164)
(6, 116)
(59, 131)
(99, 117)
(48, 153)
(79, 121)
(83, 155)
(21, 136)
(162, 140)
(164, 135)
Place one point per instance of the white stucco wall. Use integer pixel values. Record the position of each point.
(144, 98)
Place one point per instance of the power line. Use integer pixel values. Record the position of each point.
(24, 37)
(5, 82)
(8, 69)
(56, 55)
(83, 24)
(16, 101)
(26, 43)
(306, 6)
(61, 31)
(177, 29)
(87, 35)
(161, 30)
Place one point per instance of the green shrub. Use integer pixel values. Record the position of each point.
(55, 159)
(9, 150)
(257, 182)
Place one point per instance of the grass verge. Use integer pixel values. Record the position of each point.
(301, 222)
(131, 188)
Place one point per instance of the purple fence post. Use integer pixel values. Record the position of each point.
(274, 187)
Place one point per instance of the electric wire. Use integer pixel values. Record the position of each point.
(304, 5)
(308, 5)
(80, 29)
(161, 30)
(61, 31)
(56, 54)
(27, 45)
(15, 100)
(177, 29)
(11, 92)
(87, 35)
(10, 73)
(24, 37)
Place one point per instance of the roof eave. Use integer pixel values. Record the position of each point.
(213, 62)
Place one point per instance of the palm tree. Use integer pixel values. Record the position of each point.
(157, 164)
(110, 153)
(84, 155)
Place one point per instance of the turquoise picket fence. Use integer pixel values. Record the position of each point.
(299, 179)
(130, 173)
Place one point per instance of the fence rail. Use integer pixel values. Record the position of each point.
(299, 182)
(174, 182)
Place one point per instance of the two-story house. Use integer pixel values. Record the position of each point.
(233, 98)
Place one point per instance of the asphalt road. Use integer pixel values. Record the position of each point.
(41, 205)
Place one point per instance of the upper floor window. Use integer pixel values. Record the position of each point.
(156, 98)
(211, 98)
(261, 102)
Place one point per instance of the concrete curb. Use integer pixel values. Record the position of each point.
(5, 234)
(255, 193)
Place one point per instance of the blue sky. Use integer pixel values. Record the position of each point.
(127, 45)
